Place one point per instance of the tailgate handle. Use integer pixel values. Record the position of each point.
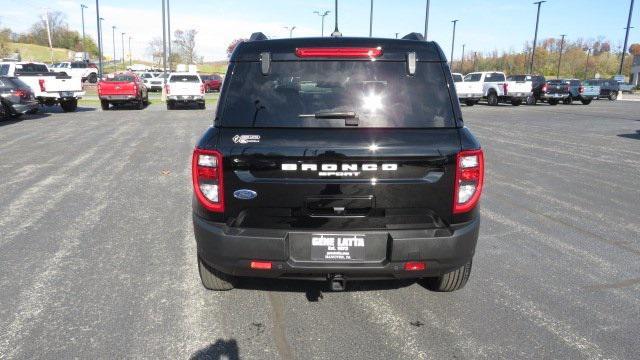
(339, 206)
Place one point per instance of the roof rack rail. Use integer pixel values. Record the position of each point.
(258, 36)
(413, 36)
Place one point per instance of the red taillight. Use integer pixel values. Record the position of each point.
(340, 52)
(415, 266)
(166, 89)
(469, 180)
(505, 87)
(208, 185)
(41, 83)
(201, 88)
(135, 87)
(581, 89)
(261, 265)
(22, 93)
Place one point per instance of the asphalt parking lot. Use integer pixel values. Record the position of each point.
(98, 259)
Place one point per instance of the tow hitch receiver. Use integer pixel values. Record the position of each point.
(338, 282)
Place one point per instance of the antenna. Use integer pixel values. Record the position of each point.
(336, 32)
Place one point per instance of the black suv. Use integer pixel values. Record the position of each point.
(337, 159)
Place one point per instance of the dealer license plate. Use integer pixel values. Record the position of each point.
(66, 94)
(337, 247)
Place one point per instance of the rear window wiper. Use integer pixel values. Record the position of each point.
(350, 117)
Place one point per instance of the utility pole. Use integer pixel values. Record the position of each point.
(169, 34)
(99, 39)
(291, 28)
(322, 15)
(130, 56)
(586, 65)
(113, 28)
(336, 32)
(453, 41)
(535, 36)
(397, 35)
(626, 38)
(82, 7)
(560, 57)
(164, 40)
(462, 59)
(122, 38)
(426, 20)
(371, 20)
(475, 60)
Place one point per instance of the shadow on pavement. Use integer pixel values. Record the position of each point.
(27, 117)
(635, 136)
(313, 289)
(221, 349)
(58, 110)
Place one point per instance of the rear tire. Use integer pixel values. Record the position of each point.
(531, 100)
(586, 102)
(516, 102)
(492, 99)
(567, 100)
(169, 106)
(202, 106)
(140, 104)
(613, 96)
(470, 102)
(553, 102)
(69, 105)
(104, 104)
(93, 78)
(213, 279)
(451, 281)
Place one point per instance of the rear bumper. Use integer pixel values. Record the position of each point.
(516, 95)
(555, 96)
(25, 107)
(185, 98)
(231, 250)
(119, 97)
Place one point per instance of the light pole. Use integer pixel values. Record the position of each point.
(130, 56)
(164, 40)
(290, 30)
(122, 38)
(336, 32)
(371, 20)
(82, 7)
(169, 34)
(113, 28)
(397, 35)
(475, 60)
(626, 38)
(586, 65)
(462, 60)
(102, 40)
(322, 15)
(535, 36)
(426, 21)
(453, 41)
(98, 19)
(560, 57)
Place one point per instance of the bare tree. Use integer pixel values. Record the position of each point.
(154, 48)
(185, 45)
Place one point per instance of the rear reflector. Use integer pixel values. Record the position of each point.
(261, 265)
(469, 180)
(208, 185)
(415, 266)
(339, 52)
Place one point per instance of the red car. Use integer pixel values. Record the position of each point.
(212, 82)
(123, 88)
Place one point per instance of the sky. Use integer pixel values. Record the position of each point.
(483, 26)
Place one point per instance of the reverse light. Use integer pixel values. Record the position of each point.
(261, 265)
(415, 266)
(206, 171)
(469, 180)
(340, 52)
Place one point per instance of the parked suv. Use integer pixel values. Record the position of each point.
(85, 70)
(608, 88)
(16, 98)
(337, 159)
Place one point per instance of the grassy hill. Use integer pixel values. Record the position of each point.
(31, 52)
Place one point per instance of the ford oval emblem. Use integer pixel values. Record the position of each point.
(245, 194)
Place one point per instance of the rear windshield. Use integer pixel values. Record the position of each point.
(31, 68)
(555, 82)
(302, 93)
(13, 82)
(457, 77)
(472, 77)
(121, 78)
(184, 78)
(519, 78)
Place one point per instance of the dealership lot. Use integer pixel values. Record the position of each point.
(98, 256)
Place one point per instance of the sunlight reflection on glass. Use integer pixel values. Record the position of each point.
(372, 102)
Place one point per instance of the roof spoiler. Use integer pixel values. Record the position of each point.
(413, 36)
(258, 36)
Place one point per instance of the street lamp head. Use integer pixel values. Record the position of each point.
(539, 2)
(83, 6)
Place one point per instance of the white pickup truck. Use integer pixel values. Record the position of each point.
(49, 88)
(493, 87)
(82, 69)
(184, 88)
